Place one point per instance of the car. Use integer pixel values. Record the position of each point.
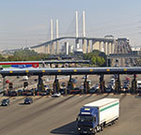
(89, 81)
(74, 80)
(92, 90)
(27, 93)
(28, 100)
(5, 102)
(139, 93)
(96, 86)
(76, 90)
(12, 93)
(108, 89)
(56, 94)
(63, 84)
(20, 92)
(43, 93)
(7, 81)
(49, 91)
(62, 91)
(125, 88)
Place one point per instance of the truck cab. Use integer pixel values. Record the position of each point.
(87, 120)
(94, 116)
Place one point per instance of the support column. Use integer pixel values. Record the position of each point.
(121, 59)
(70, 85)
(57, 47)
(100, 47)
(102, 84)
(93, 45)
(56, 85)
(40, 85)
(4, 86)
(88, 46)
(134, 85)
(84, 45)
(112, 48)
(48, 49)
(53, 48)
(109, 48)
(76, 43)
(117, 83)
(105, 46)
(86, 86)
(45, 49)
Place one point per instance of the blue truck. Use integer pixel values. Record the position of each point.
(94, 116)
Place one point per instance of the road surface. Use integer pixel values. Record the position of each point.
(56, 116)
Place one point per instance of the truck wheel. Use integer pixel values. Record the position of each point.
(98, 128)
(101, 127)
(95, 131)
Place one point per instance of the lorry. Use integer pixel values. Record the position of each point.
(94, 116)
(138, 85)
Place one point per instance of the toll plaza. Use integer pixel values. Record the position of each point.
(101, 71)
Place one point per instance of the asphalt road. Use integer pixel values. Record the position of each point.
(50, 116)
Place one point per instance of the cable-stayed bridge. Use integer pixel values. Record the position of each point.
(108, 44)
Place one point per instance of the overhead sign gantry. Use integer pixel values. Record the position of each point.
(35, 64)
(77, 71)
(71, 71)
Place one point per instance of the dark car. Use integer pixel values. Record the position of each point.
(43, 93)
(63, 84)
(27, 93)
(12, 93)
(20, 92)
(92, 90)
(28, 101)
(125, 89)
(75, 91)
(5, 102)
(62, 91)
(108, 89)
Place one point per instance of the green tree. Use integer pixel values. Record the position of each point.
(97, 58)
(26, 55)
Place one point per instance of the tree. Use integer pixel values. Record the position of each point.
(26, 55)
(2, 58)
(97, 58)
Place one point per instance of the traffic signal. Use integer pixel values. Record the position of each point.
(25, 84)
(10, 85)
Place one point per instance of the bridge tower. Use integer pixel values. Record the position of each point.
(84, 41)
(76, 30)
(57, 36)
(52, 46)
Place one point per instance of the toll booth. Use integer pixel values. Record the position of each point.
(134, 85)
(102, 84)
(70, 85)
(40, 85)
(86, 86)
(117, 84)
(56, 85)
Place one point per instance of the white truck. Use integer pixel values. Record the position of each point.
(139, 85)
(96, 115)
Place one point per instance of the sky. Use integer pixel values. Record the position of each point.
(25, 23)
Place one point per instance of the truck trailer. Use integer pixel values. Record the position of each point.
(94, 116)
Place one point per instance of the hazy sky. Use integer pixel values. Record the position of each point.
(27, 22)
